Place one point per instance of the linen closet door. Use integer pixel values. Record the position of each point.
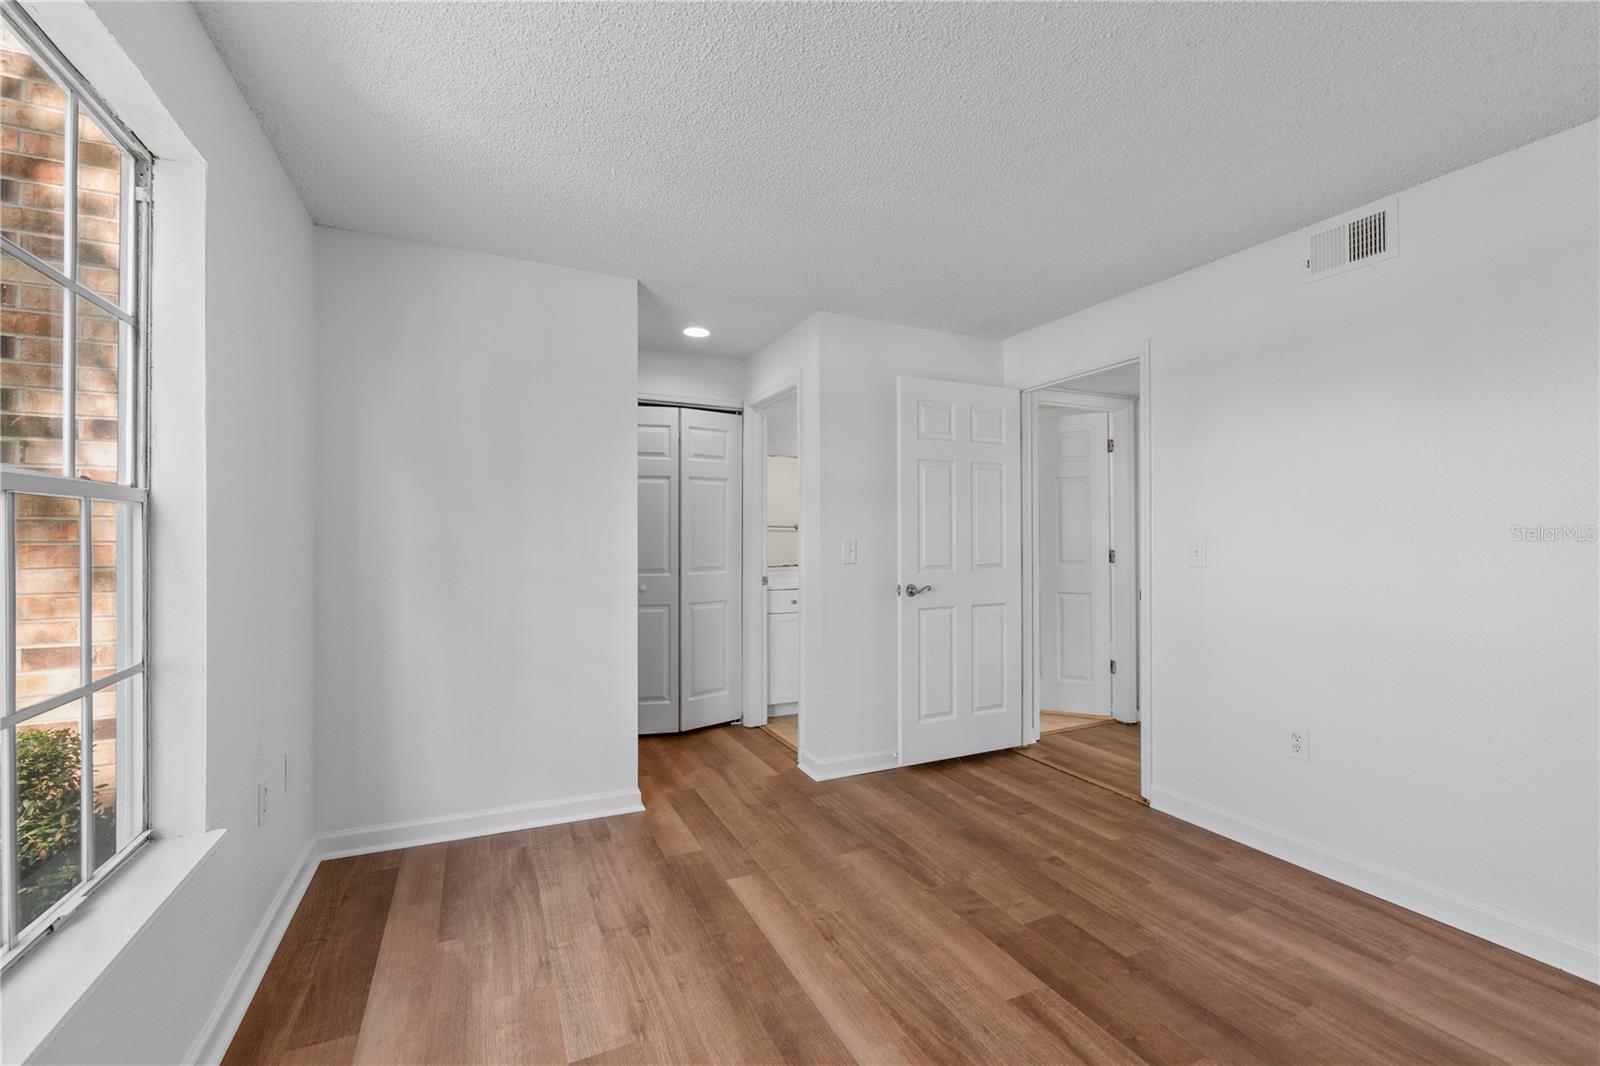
(712, 546)
(658, 569)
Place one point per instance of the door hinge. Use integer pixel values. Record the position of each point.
(1111, 445)
(763, 581)
(1113, 666)
(1113, 554)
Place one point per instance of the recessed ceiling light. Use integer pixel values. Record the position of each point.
(697, 332)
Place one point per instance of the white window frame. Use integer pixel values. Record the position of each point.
(131, 487)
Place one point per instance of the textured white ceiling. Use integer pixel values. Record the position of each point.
(977, 168)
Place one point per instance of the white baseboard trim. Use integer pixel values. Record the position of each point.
(367, 839)
(240, 989)
(220, 1028)
(847, 765)
(1481, 919)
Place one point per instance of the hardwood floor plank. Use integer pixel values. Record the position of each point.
(986, 910)
(1146, 1036)
(268, 1026)
(1147, 989)
(939, 925)
(739, 764)
(402, 979)
(1508, 1042)
(752, 974)
(785, 730)
(672, 834)
(865, 1026)
(1015, 901)
(780, 759)
(454, 1013)
(731, 856)
(1079, 1037)
(330, 1053)
(336, 999)
(1106, 755)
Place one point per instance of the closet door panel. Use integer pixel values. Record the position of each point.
(711, 598)
(658, 569)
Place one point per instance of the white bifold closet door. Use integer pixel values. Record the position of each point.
(690, 564)
(658, 569)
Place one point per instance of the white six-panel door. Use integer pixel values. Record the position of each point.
(710, 469)
(1074, 562)
(960, 546)
(658, 569)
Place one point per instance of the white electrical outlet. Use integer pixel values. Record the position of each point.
(1300, 744)
(1197, 553)
(261, 803)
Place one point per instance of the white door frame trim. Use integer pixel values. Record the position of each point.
(755, 551)
(1031, 398)
(714, 403)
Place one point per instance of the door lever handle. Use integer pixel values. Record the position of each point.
(912, 590)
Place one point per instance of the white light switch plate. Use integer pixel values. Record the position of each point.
(848, 554)
(1197, 553)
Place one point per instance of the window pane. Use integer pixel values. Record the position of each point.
(49, 772)
(116, 768)
(101, 337)
(115, 532)
(119, 768)
(30, 367)
(33, 136)
(100, 172)
(47, 662)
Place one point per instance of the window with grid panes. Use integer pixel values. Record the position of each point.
(74, 226)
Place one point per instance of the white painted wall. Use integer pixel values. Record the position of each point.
(476, 541)
(1356, 453)
(851, 724)
(786, 360)
(143, 965)
(717, 380)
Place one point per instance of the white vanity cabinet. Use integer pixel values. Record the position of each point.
(783, 641)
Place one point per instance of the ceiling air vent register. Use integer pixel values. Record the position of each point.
(1354, 240)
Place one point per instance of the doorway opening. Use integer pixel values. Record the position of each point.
(1084, 583)
(773, 642)
(781, 544)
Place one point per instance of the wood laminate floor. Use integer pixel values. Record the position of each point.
(1104, 754)
(984, 910)
(1066, 721)
(786, 730)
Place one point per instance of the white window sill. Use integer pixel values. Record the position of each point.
(42, 989)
